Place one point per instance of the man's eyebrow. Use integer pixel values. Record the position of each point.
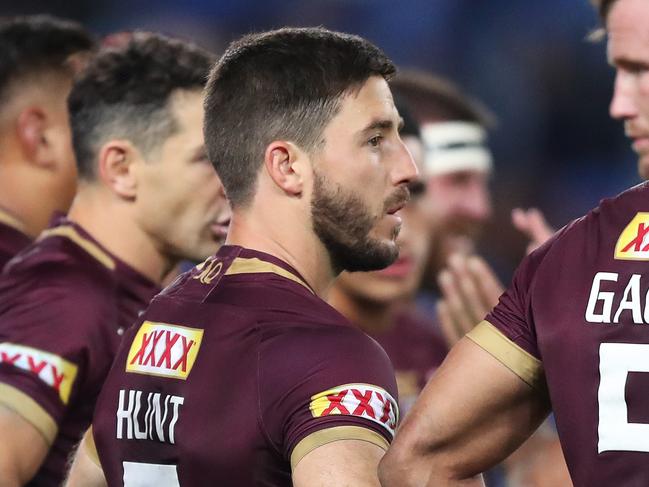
(383, 124)
(629, 64)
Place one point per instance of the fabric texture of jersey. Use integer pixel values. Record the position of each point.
(233, 374)
(65, 304)
(12, 238)
(575, 320)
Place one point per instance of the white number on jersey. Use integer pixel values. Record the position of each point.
(616, 360)
(148, 474)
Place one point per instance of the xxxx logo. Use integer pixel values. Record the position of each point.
(164, 350)
(53, 370)
(362, 400)
(633, 243)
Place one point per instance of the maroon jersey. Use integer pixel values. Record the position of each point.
(65, 302)
(12, 238)
(576, 320)
(233, 374)
(416, 350)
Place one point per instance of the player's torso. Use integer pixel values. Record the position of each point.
(184, 393)
(591, 313)
(106, 301)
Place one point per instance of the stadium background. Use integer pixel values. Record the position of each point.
(555, 146)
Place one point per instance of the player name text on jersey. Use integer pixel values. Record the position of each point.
(606, 304)
(147, 416)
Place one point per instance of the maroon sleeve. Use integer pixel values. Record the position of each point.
(318, 385)
(46, 336)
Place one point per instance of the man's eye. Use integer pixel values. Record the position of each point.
(375, 141)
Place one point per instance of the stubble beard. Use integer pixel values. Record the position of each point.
(343, 224)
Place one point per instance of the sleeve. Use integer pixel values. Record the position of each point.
(508, 332)
(336, 384)
(44, 345)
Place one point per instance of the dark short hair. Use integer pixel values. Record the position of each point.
(283, 84)
(37, 44)
(124, 92)
(433, 98)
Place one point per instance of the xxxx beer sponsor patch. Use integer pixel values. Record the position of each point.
(164, 350)
(633, 243)
(360, 400)
(53, 370)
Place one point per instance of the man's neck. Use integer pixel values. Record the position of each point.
(111, 223)
(296, 246)
(373, 317)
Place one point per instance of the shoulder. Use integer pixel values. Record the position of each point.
(45, 287)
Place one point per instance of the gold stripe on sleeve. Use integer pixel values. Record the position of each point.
(241, 265)
(29, 409)
(90, 247)
(524, 365)
(91, 448)
(329, 435)
(11, 221)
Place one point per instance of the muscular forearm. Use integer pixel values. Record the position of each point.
(409, 468)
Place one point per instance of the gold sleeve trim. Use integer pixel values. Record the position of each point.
(30, 410)
(91, 448)
(329, 435)
(11, 221)
(258, 266)
(524, 365)
(90, 247)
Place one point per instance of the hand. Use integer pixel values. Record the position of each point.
(533, 224)
(470, 289)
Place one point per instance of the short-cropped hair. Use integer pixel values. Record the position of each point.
(125, 91)
(35, 45)
(285, 84)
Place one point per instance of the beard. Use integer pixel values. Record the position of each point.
(343, 224)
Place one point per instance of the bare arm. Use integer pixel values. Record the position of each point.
(85, 472)
(342, 463)
(472, 414)
(22, 450)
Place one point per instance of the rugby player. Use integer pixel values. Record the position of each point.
(39, 55)
(240, 374)
(381, 302)
(569, 333)
(147, 197)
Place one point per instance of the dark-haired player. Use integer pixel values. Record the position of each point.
(39, 55)
(147, 198)
(569, 334)
(240, 374)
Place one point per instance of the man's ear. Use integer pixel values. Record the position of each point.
(117, 167)
(30, 129)
(286, 165)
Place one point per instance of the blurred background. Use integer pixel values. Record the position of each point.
(555, 146)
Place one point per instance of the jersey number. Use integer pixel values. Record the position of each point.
(147, 474)
(615, 432)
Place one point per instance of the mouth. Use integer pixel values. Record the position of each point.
(397, 207)
(220, 228)
(400, 269)
(640, 144)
